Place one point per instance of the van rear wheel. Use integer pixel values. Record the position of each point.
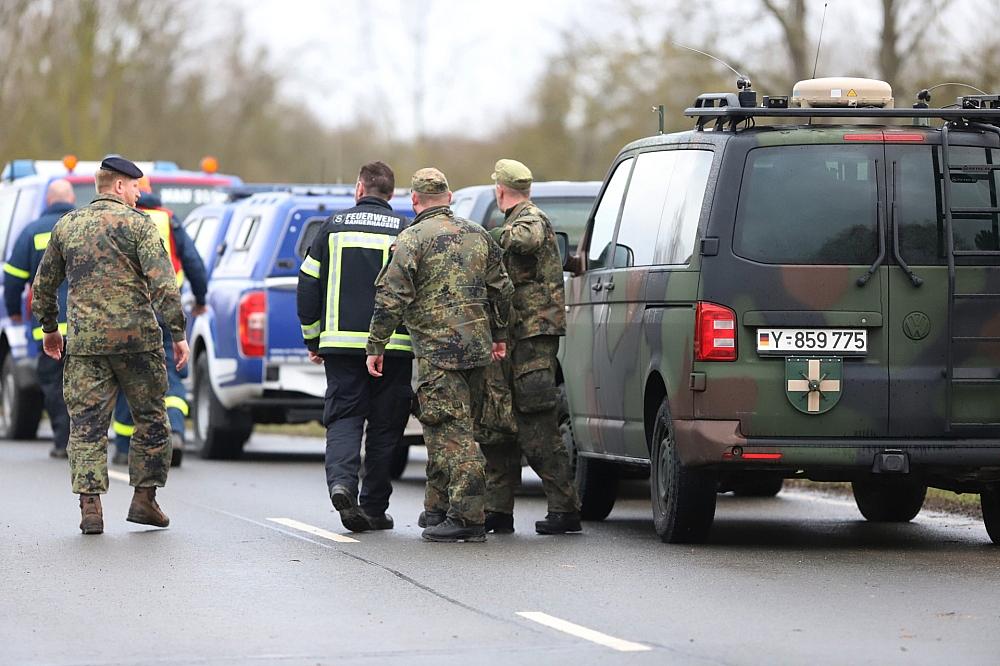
(683, 498)
(20, 407)
(890, 500)
(758, 485)
(596, 480)
(219, 433)
(990, 501)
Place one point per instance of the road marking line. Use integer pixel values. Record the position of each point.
(316, 531)
(583, 632)
(118, 476)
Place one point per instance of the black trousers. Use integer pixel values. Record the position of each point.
(354, 397)
(50, 380)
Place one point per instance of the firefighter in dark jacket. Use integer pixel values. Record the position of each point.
(336, 297)
(19, 271)
(188, 266)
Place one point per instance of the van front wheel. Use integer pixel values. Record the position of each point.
(683, 498)
(596, 480)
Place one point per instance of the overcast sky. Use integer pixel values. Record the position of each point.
(479, 59)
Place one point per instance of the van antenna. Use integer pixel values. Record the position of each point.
(819, 42)
(719, 60)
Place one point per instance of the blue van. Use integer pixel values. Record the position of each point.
(23, 184)
(249, 364)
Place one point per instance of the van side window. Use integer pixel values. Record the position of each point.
(245, 233)
(205, 242)
(7, 200)
(600, 254)
(808, 205)
(310, 231)
(920, 205)
(663, 206)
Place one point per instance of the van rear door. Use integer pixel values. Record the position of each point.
(800, 271)
(918, 317)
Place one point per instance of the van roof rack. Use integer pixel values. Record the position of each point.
(726, 112)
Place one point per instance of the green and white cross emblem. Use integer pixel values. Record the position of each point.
(813, 385)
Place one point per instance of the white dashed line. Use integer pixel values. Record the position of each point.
(315, 531)
(118, 476)
(583, 632)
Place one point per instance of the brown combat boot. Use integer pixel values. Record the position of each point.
(91, 514)
(144, 509)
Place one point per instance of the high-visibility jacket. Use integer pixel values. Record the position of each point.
(336, 290)
(161, 218)
(20, 269)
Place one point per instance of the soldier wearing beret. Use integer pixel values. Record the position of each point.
(538, 318)
(119, 276)
(446, 282)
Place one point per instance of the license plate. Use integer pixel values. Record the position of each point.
(818, 340)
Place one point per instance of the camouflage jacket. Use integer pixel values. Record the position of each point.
(531, 257)
(446, 282)
(119, 275)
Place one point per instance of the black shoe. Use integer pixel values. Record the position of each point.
(455, 529)
(559, 523)
(343, 498)
(355, 520)
(58, 452)
(499, 523)
(430, 518)
(379, 521)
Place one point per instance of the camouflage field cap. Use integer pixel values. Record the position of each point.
(429, 181)
(513, 174)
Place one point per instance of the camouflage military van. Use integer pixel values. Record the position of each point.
(757, 302)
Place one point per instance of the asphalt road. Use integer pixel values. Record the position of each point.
(255, 568)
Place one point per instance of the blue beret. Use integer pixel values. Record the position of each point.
(122, 166)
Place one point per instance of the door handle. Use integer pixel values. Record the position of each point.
(610, 286)
(597, 286)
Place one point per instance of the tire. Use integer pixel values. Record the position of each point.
(596, 480)
(20, 408)
(990, 500)
(219, 433)
(400, 457)
(758, 485)
(890, 500)
(683, 498)
(176, 458)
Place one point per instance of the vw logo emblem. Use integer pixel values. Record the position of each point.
(916, 325)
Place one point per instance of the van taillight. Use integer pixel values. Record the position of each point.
(714, 333)
(253, 323)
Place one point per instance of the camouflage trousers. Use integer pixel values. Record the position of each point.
(90, 387)
(536, 410)
(447, 400)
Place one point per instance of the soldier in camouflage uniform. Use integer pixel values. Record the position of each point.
(538, 318)
(119, 275)
(446, 282)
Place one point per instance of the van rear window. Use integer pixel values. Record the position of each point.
(808, 205)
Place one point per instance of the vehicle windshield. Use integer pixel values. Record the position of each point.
(567, 214)
(181, 198)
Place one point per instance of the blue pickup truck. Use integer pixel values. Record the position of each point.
(249, 363)
(23, 184)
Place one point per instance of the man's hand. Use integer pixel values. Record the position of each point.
(52, 344)
(315, 358)
(199, 310)
(181, 353)
(17, 319)
(374, 364)
(499, 351)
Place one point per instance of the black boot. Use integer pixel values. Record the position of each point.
(380, 521)
(499, 523)
(430, 518)
(346, 503)
(559, 523)
(455, 529)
